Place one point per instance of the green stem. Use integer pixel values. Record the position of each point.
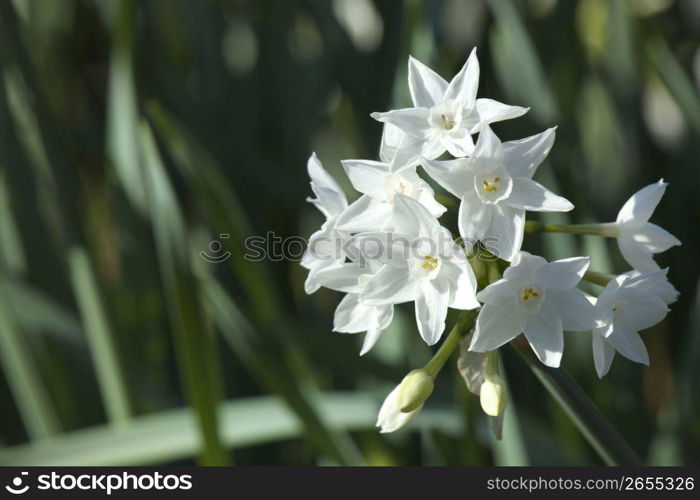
(597, 278)
(597, 430)
(450, 203)
(607, 230)
(463, 325)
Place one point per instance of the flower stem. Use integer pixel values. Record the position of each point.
(597, 278)
(606, 230)
(597, 430)
(463, 325)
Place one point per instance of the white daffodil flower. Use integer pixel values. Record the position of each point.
(538, 298)
(351, 316)
(495, 187)
(422, 264)
(445, 115)
(629, 303)
(325, 247)
(637, 238)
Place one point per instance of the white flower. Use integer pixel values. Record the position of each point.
(629, 303)
(496, 188)
(324, 249)
(351, 316)
(421, 264)
(445, 115)
(537, 298)
(638, 238)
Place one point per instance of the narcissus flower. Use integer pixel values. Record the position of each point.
(638, 238)
(629, 303)
(445, 115)
(538, 298)
(422, 264)
(495, 187)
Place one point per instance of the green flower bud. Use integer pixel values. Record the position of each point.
(414, 389)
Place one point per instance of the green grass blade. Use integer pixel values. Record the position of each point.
(110, 376)
(173, 434)
(29, 391)
(194, 340)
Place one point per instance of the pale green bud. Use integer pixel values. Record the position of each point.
(493, 395)
(414, 389)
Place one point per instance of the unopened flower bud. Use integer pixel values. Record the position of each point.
(414, 389)
(493, 395)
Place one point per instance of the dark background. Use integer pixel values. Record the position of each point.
(134, 134)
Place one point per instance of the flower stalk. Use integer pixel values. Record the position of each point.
(597, 430)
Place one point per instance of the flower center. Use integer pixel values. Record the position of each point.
(530, 298)
(493, 185)
(425, 267)
(447, 122)
(396, 184)
(430, 262)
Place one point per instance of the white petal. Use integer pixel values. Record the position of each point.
(459, 146)
(427, 87)
(644, 311)
(412, 218)
(413, 121)
(383, 316)
(524, 156)
(641, 205)
(330, 197)
(495, 325)
(577, 313)
(523, 268)
(367, 176)
(488, 145)
(564, 273)
(491, 111)
(371, 338)
(462, 284)
(498, 293)
(340, 277)
(364, 215)
(545, 334)
(465, 84)
(399, 148)
(382, 247)
(453, 175)
(637, 256)
(472, 366)
(390, 419)
(631, 346)
(507, 229)
(474, 217)
(390, 285)
(654, 238)
(530, 195)
(431, 309)
(603, 354)
(351, 316)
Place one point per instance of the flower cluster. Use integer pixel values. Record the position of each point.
(389, 247)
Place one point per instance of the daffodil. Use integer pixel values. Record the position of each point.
(537, 298)
(421, 263)
(637, 238)
(629, 303)
(495, 187)
(446, 114)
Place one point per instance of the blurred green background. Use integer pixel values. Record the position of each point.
(134, 134)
